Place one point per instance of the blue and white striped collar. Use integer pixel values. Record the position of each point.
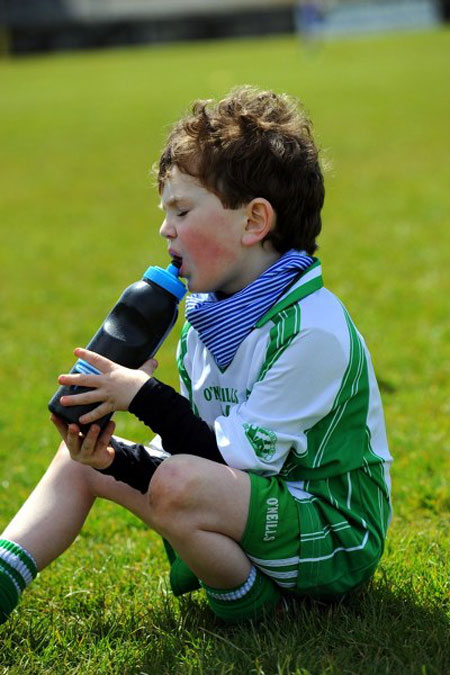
(223, 324)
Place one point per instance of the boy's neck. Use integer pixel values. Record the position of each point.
(257, 261)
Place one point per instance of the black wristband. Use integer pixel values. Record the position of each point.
(170, 415)
(132, 464)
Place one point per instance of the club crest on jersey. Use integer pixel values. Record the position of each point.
(263, 441)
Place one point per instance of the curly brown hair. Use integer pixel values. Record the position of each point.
(254, 143)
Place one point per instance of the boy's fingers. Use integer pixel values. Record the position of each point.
(96, 360)
(101, 410)
(59, 424)
(90, 440)
(73, 439)
(105, 436)
(79, 380)
(62, 428)
(81, 399)
(110, 428)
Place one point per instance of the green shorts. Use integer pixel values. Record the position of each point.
(315, 546)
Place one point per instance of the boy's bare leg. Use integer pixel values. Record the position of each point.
(200, 506)
(55, 512)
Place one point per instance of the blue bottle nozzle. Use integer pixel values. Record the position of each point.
(174, 269)
(168, 279)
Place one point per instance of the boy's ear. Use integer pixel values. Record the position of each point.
(260, 220)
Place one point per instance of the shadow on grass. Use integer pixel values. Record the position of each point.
(381, 629)
(377, 630)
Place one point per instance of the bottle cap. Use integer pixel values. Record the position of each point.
(167, 279)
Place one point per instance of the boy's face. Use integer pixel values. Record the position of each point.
(205, 235)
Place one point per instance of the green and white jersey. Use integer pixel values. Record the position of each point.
(299, 400)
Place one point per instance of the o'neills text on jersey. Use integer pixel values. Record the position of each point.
(223, 394)
(271, 519)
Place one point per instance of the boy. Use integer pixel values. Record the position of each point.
(277, 479)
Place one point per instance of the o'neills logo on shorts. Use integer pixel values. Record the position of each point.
(271, 519)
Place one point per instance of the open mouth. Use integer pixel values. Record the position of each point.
(177, 261)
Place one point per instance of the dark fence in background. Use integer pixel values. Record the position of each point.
(46, 25)
(31, 26)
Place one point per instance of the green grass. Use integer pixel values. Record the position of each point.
(79, 222)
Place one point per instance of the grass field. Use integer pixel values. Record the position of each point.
(79, 222)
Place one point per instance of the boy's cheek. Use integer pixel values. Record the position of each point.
(210, 252)
(208, 268)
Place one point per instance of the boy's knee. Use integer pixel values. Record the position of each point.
(174, 489)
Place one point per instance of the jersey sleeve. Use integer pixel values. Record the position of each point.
(296, 389)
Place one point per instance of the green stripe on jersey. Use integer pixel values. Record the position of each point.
(351, 405)
(340, 441)
(294, 296)
(182, 351)
(286, 326)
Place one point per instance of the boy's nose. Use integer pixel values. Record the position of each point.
(167, 230)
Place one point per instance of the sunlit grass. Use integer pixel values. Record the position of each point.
(79, 222)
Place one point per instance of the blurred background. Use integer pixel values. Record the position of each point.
(88, 92)
(81, 126)
(46, 25)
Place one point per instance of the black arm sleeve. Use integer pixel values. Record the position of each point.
(170, 415)
(132, 464)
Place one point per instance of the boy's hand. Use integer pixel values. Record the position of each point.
(92, 449)
(114, 388)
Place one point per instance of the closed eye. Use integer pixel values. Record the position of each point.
(182, 213)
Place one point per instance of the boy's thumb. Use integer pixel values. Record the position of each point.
(149, 366)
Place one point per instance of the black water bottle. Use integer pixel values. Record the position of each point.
(130, 335)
